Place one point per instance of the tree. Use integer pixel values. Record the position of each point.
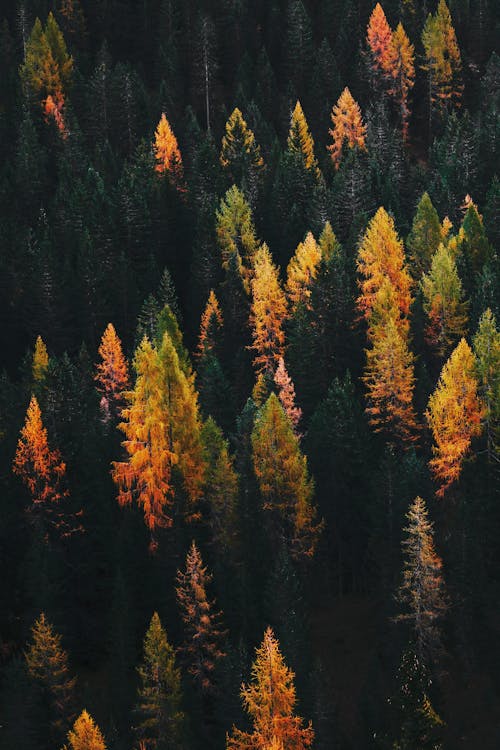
(40, 361)
(85, 734)
(286, 394)
(167, 153)
(221, 487)
(287, 490)
(302, 271)
(402, 74)
(146, 476)
(381, 256)
(48, 666)
(379, 39)
(158, 708)
(210, 327)
(268, 313)
(454, 415)
(240, 153)
(422, 589)
(270, 699)
(42, 471)
(203, 634)
(236, 231)
(487, 351)
(300, 141)
(443, 302)
(425, 236)
(112, 372)
(348, 128)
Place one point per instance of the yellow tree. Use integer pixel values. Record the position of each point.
(85, 734)
(236, 232)
(167, 153)
(210, 326)
(111, 372)
(454, 416)
(240, 153)
(402, 72)
(268, 313)
(270, 699)
(442, 60)
(281, 469)
(348, 128)
(40, 361)
(301, 272)
(300, 140)
(381, 256)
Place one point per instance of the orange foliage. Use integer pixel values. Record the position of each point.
(167, 153)
(347, 128)
(402, 73)
(286, 394)
(268, 312)
(112, 372)
(53, 107)
(211, 323)
(302, 270)
(379, 38)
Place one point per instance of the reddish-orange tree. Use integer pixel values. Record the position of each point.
(112, 372)
(348, 127)
(286, 394)
(378, 39)
(270, 700)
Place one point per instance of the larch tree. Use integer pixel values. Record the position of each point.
(425, 236)
(454, 415)
(378, 40)
(302, 270)
(286, 394)
(146, 475)
(167, 153)
(47, 664)
(443, 302)
(42, 471)
(347, 129)
(300, 140)
(286, 488)
(381, 256)
(236, 232)
(487, 351)
(422, 588)
(240, 154)
(160, 719)
(268, 313)
(210, 327)
(269, 699)
(202, 622)
(111, 376)
(85, 734)
(402, 74)
(221, 488)
(40, 361)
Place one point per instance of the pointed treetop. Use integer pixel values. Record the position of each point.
(85, 734)
(240, 151)
(348, 127)
(167, 153)
(379, 37)
(210, 326)
(302, 271)
(40, 360)
(300, 140)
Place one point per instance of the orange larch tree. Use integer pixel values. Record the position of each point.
(348, 127)
(378, 40)
(268, 313)
(454, 415)
(286, 394)
(167, 153)
(270, 699)
(111, 373)
(301, 272)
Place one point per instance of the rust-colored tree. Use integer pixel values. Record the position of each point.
(378, 40)
(112, 373)
(454, 416)
(270, 699)
(348, 127)
(286, 394)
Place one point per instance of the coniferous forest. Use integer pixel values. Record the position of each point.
(250, 376)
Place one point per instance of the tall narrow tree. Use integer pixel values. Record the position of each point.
(348, 128)
(268, 313)
(112, 372)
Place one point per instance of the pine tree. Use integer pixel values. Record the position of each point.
(348, 127)
(487, 351)
(221, 488)
(474, 243)
(85, 734)
(40, 361)
(300, 141)
(202, 634)
(270, 699)
(112, 372)
(286, 394)
(286, 489)
(240, 154)
(425, 236)
(422, 589)
(160, 718)
(268, 313)
(302, 271)
(47, 67)
(443, 302)
(167, 153)
(48, 666)
(454, 415)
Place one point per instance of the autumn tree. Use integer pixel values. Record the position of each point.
(443, 302)
(203, 633)
(422, 589)
(210, 327)
(454, 415)
(221, 488)
(85, 734)
(236, 232)
(42, 471)
(167, 153)
(378, 40)
(48, 665)
(300, 141)
(160, 718)
(402, 74)
(111, 373)
(285, 485)
(270, 699)
(268, 312)
(286, 394)
(240, 154)
(425, 236)
(302, 270)
(348, 127)
(487, 351)
(381, 256)
(40, 361)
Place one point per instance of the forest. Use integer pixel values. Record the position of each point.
(250, 375)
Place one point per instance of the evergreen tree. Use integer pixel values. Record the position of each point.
(240, 154)
(487, 351)
(425, 236)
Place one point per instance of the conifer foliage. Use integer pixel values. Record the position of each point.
(85, 734)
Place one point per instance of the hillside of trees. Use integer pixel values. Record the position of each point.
(250, 375)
